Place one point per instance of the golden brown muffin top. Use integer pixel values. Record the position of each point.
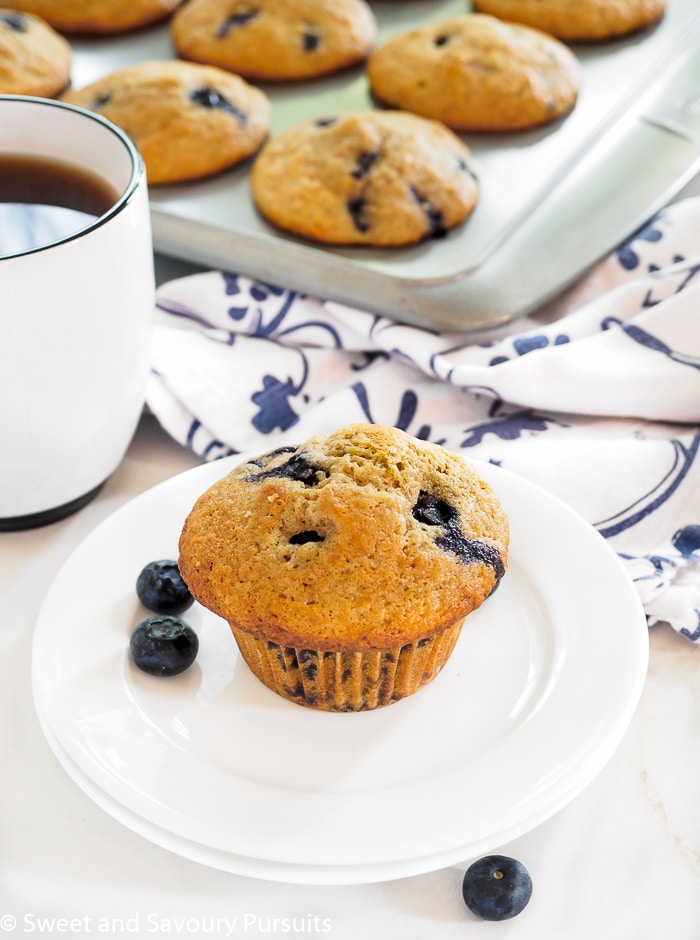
(189, 121)
(381, 178)
(578, 19)
(474, 72)
(275, 40)
(98, 16)
(366, 538)
(34, 58)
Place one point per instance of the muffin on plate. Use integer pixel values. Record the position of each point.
(345, 567)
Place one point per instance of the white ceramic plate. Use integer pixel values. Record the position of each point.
(212, 765)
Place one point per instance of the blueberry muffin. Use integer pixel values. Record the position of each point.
(381, 178)
(34, 58)
(476, 73)
(189, 121)
(345, 567)
(275, 40)
(98, 16)
(578, 19)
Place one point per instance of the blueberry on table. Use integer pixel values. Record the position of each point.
(161, 589)
(496, 887)
(163, 645)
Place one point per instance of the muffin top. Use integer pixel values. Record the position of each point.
(476, 73)
(97, 16)
(382, 178)
(578, 19)
(34, 58)
(364, 539)
(189, 121)
(275, 40)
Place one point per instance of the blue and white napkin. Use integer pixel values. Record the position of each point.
(596, 398)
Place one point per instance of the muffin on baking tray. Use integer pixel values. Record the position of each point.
(578, 19)
(476, 73)
(380, 178)
(98, 16)
(34, 58)
(345, 567)
(275, 40)
(189, 121)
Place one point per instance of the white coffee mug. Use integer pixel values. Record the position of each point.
(75, 322)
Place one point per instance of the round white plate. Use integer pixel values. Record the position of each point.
(210, 764)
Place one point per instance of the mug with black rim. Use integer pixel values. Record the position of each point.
(77, 297)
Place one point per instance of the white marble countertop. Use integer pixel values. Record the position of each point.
(621, 862)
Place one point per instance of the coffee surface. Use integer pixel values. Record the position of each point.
(43, 201)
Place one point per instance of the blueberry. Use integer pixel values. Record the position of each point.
(15, 21)
(238, 18)
(163, 645)
(434, 217)
(432, 510)
(357, 208)
(464, 167)
(470, 550)
(210, 98)
(101, 101)
(161, 589)
(364, 163)
(301, 538)
(496, 887)
(310, 41)
(264, 459)
(296, 468)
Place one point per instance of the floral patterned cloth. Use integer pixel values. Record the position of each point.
(595, 398)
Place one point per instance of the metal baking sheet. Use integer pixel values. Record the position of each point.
(552, 201)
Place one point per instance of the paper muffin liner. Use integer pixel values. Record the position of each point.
(346, 681)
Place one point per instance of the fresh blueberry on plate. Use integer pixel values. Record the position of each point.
(161, 589)
(163, 645)
(496, 887)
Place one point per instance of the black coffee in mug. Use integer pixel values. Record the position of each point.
(43, 201)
